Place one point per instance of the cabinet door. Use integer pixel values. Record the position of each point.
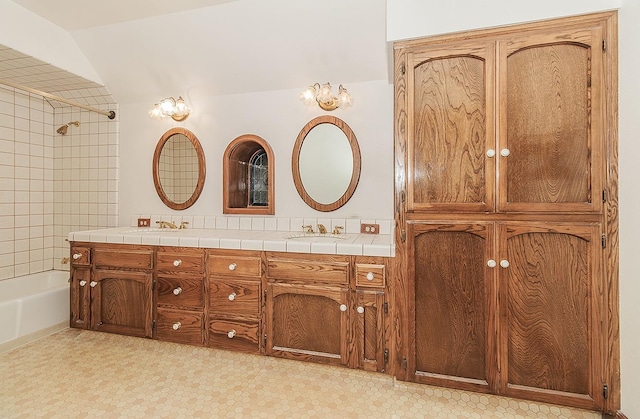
(551, 122)
(121, 302)
(451, 306)
(307, 322)
(369, 330)
(80, 286)
(450, 127)
(552, 313)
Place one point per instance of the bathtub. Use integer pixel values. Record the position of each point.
(33, 306)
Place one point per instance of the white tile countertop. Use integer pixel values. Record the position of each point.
(279, 241)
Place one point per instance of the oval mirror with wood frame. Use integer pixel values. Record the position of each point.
(179, 168)
(326, 163)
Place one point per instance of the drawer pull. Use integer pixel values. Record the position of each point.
(504, 263)
(360, 309)
(77, 256)
(370, 276)
(231, 333)
(83, 283)
(232, 296)
(233, 267)
(491, 263)
(177, 262)
(93, 284)
(177, 291)
(343, 307)
(177, 325)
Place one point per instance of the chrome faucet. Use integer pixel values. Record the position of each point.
(166, 224)
(308, 229)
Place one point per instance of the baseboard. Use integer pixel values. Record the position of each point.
(32, 337)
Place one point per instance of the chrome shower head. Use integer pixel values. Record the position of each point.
(63, 129)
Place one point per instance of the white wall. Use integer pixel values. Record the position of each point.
(629, 154)
(278, 117)
(419, 18)
(30, 34)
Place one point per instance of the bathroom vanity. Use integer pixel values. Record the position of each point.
(328, 308)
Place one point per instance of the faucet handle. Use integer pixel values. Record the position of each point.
(336, 229)
(160, 224)
(183, 225)
(308, 229)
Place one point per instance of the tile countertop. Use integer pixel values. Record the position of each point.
(278, 241)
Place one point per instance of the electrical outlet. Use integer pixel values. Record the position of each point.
(144, 222)
(370, 228)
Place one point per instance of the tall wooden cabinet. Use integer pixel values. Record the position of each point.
(506, 203)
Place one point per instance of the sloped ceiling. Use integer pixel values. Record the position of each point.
(221, 47)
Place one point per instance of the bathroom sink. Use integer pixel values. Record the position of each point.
(151, 230)
(320, 238)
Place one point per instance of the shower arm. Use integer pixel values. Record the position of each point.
(109, 114)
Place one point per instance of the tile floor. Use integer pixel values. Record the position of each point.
(82, 374)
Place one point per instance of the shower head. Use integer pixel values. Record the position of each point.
(63, 129)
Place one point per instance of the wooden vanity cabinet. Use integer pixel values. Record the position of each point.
(370, 314)
(180, 295)
(80, 279)
(234, 300)
(307, 307)
(111, 288)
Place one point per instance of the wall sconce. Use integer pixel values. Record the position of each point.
(323, 96)
(170, 107)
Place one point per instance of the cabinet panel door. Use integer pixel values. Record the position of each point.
(369, 330)
(551, 122)
(307, 323)
(121, 302)
(552, 313)
(451, 120)
(80, 286)
(450, 306)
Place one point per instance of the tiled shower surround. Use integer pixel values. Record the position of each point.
(52, 184)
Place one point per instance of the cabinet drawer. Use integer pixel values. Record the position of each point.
(123, 259)
(182, 261)
(235, 266)
(370, 275)
(234, 335)
(333, 270)
(233, 298)
(80, 256)
(180, 326)
(181, 292)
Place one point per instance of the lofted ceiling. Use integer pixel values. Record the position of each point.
(146, 49)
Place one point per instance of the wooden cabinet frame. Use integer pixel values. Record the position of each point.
(602, 208)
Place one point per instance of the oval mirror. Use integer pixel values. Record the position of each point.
(326, 163)
(179, 168)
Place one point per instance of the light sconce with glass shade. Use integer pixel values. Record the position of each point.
(323, 96)
(169, 107)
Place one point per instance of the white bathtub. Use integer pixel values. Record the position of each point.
(32, 306)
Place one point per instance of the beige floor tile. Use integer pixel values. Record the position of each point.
(81, 374)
